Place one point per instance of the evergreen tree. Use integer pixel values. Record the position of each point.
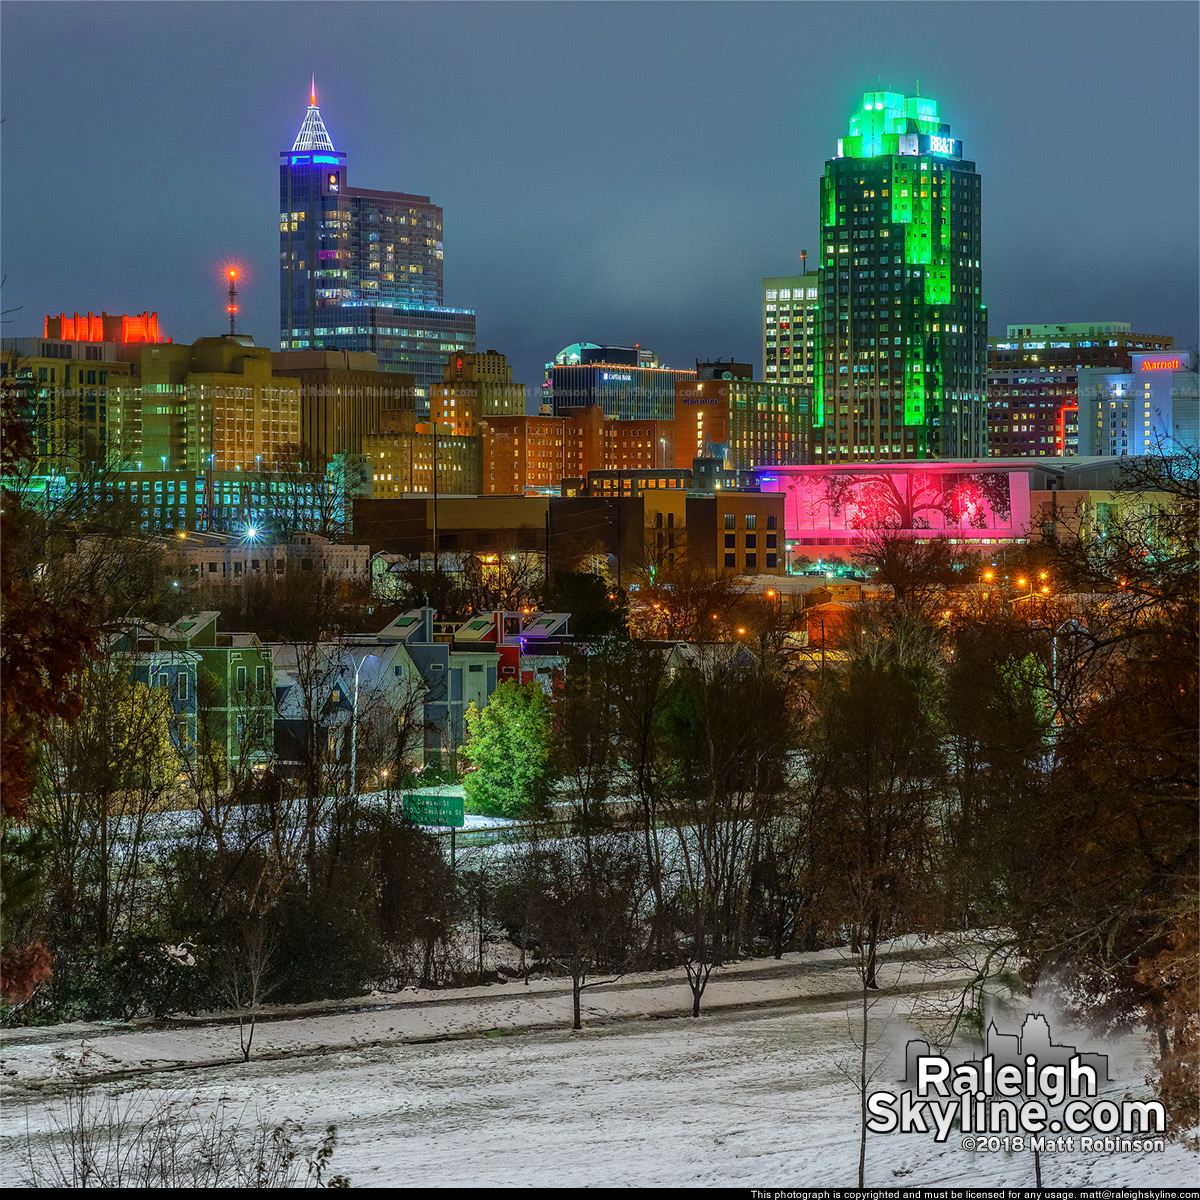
(508, 742)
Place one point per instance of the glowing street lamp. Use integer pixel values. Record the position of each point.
(354, 725)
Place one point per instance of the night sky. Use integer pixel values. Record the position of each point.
(609, 172)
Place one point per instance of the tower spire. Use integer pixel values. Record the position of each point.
(313, 135)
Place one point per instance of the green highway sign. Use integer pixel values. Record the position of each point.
(435, 810)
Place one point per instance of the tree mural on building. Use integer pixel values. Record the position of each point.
(935, 498)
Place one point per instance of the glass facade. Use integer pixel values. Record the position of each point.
(901, 353)
(361, 269)
(624, 392)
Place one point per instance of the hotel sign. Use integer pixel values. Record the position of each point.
(697, 395)
(1161, 364)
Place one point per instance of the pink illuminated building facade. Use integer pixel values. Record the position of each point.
(829, 511)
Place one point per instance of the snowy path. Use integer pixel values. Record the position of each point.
(752, 1094)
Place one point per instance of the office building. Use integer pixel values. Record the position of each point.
(617, 379)
(790, 306)
(1033, 376)
(529, 455)
(623, 517)
(901, 354)
(532, 455)
(212, 406)
(159, 502)
(725, 414)
(343, 397)
(76, 401)
(1150, 408)
(233, 558)
(361, 270)
(474, 386)
(403, 462)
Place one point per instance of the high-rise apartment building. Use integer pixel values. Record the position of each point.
(361, 270)
(901, 354)
(1033, 376)
(790, 304)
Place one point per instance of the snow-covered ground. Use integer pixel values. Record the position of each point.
(489, 1086)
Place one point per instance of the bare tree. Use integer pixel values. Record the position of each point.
(508, 579)
(586, 911)
(875, 749)
(687, 603)
(729, 730)
(106, 775)
(244, 971)
(918, 572)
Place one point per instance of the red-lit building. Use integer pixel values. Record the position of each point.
(106, 327)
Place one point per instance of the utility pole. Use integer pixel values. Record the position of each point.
(435, 492)
(617, 501)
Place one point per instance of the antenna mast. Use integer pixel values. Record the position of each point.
(232, 307)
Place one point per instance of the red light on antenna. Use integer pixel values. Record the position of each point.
(232, 271)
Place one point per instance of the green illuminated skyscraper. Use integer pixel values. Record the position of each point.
(901, 357)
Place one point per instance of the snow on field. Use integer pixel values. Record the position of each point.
(490, 1086)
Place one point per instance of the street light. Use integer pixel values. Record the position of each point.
(354, 726)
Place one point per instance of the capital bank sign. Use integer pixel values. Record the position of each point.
(616, 377)
(1160, 364)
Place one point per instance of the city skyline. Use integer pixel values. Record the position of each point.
(636, 193)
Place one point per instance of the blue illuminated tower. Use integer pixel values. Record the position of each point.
(361, 269)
